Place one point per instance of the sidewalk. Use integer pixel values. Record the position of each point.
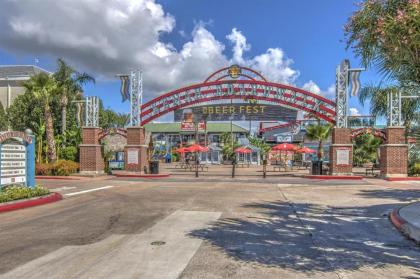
(407, 220)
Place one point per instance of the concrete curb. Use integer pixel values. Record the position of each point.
(20, 204)
(402, 178)
(56, 177)
(404, 226)
(147, 176)
(331, 177)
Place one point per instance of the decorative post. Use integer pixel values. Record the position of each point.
(91, 157)
(394, 152)
(30, 160)
(341, 150)
(136, 150)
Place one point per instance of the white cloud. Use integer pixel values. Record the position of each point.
(111, 37)
(311, 86)
(354, 111)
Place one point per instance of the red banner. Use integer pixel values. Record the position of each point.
(190, 126)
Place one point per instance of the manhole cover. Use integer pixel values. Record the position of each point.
(158, 243)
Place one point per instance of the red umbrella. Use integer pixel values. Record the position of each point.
(284, 147)
(243, 150)
(197, 148)
(183, 150)
(305, 150)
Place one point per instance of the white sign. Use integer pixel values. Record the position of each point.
(343, 157)
(12, 180)
(13, 164)
(133, 156)
(13, 172)
(284, 138)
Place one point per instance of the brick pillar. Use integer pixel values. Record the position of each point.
(341, 152)
(135, 152)
(91, 159)
(394, 153)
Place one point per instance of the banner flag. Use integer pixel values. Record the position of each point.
(355, 82)
(125, 87)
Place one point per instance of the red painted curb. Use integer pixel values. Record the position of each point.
(56, 177)
(327, 177)
(53, 197)
(396, 219)
(403, 179)
(149, 176)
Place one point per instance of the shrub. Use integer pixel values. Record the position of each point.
(62, 167)
(17, 192)
(69, 153)
(43, 169)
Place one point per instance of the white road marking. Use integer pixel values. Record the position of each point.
(62, 189)
(126, 256)
(87, 191)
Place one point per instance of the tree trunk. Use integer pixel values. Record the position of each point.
(320, 150)
(49, 129)
(64, 102)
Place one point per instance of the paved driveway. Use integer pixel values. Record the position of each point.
(184, 227)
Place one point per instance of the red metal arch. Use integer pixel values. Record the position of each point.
(112, 131)
(375, 132)
(238, 89)
(209, 78)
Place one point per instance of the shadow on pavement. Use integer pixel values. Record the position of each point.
(395, 194)
(308, 238)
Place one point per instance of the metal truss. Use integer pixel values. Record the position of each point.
(263, 92)
(136, 95)
(92, 111)
(394, 109)
(341, 88)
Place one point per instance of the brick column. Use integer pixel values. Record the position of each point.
(135, 152)
(91, 159)
(394, 153)
(341, 152)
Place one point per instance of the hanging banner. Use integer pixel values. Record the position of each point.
(190, 126)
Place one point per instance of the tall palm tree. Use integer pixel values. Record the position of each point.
(319, 133)
(44, 88)
(70, 83)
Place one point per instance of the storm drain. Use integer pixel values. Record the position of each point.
(158, 243)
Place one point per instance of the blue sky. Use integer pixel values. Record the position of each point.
(309, 34)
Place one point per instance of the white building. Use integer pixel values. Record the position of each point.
(11, 79)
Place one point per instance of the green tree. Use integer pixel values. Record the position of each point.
(319, 133)
(261, 144)
(111, 119)
(365, 149)
(70, 84)
(386, 34)
(3, 119)
(43, 88)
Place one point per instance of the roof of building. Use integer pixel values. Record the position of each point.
(176, 128)
(15, 71)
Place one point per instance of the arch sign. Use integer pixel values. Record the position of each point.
(238, 83)
(17, 159)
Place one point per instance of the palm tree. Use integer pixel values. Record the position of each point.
(378, 96)
(320, 133)
(44, 88)
(70, 83)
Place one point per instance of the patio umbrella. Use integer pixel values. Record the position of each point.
(197, 148)
(243, 150)
(182, 150)
(284, 147)
(305, 150)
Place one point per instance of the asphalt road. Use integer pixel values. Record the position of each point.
(211, 228)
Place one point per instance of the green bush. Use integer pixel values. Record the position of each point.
(17, 192)
(62, 167)
(69, 153)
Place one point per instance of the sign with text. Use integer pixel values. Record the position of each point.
(343, 157)
(13, 164)
(132, 156)
(239, 112)
(190, 126)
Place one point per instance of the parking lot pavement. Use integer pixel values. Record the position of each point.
(284, 227)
